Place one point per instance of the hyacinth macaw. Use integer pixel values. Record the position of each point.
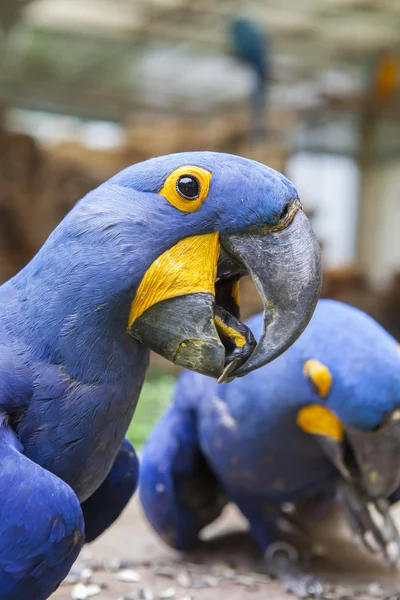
(250, 44)
(149, 260)
(321, 420)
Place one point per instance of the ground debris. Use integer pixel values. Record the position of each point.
(86, 575)
(204, 582)
(375, 590)
(167, 594)
(82, 591)
(146, 594)
(247, 581)
(164, 571)
(184, 579)
(338, 592)
(71, 579)
(115, 564)
(128, 576)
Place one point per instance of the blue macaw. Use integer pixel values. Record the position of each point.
(320, 421)
(149, 260)
(251, 45)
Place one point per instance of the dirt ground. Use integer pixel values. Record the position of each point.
(227, 565)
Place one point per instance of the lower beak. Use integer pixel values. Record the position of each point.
(369, 463)
(202, 331)
(377, 458)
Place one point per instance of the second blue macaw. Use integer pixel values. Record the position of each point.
(322, 420)
(149, 260)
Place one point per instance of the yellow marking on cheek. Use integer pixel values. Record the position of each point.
(231, 333)
(188, 267)
(319, 420)
(171, 194)
(236, 292)
(320, 375)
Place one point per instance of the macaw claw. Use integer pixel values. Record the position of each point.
(282, 562)
(370, 522)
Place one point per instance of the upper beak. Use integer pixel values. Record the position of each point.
(286, 268)
(201, 330)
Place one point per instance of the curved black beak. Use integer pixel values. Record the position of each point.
(286, 268)
(203, 332)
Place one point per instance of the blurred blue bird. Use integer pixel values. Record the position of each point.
(320, 421)
(250, 44)
(149, 260)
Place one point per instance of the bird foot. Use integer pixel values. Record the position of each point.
(370, 522)
(282, 562)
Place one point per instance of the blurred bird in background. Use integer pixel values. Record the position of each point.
(250, 44)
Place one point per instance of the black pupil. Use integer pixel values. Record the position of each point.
(188, 187)
(284, 212)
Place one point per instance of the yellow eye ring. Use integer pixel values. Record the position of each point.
(172, 195)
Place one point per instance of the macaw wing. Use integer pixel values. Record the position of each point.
(179, 492)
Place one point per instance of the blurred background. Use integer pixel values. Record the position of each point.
(308, 87)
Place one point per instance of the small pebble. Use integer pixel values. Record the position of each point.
(339, 593)
(71, 579)
(183, 579)
(128, 576)
(219, 569)
(164, 571)
(229, 574)
(95, 565)
(288, 508)
(375, 590)
(205, 582)
(128, 564)
(86, 575)
(82, 591)
(247, 581)
(86, 553)
(146, 594)
(168, 593)
(114, 564)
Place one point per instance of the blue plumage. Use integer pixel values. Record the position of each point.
(70, 376)
(242, 440)
(109, 500)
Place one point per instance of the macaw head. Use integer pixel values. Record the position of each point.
(220, 217)
(161, 247)
(353, 370)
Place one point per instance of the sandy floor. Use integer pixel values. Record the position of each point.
(226, 565)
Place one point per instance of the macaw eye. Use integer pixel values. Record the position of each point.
(188, 187)
(286, 215)
(285, 211)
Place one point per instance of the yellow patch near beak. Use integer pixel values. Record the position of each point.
(189, 267)
(319, 420)
(320, 376)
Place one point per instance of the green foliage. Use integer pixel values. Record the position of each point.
(154, 399)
